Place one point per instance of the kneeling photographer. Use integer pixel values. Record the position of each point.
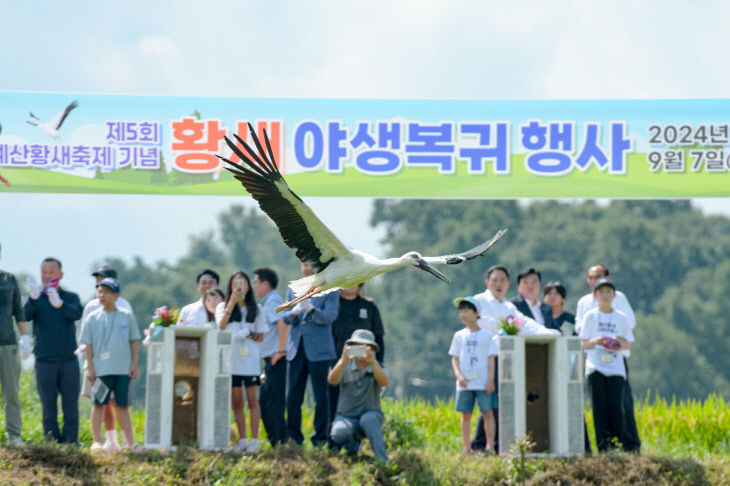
(361, 379)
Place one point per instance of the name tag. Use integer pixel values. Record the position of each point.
(105, 356)
(471, 375)
(606, 358)
(243, 351)
(363, 313)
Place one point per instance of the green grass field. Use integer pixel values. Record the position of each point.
(683, 443)
(410, 182)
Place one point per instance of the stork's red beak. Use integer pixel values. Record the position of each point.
(427, 267)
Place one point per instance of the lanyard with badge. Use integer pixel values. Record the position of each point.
(106, 354)
(608, 355)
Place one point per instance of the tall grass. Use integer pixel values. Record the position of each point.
(696, 428)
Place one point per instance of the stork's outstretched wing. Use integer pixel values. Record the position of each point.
(467, 255)
(57, 120)
(299, 226)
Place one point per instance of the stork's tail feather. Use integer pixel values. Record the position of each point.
(301, 286)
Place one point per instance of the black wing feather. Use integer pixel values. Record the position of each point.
(259, 176)
(68, 109)
(473, 253)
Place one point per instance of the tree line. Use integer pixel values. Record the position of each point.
(671, 261)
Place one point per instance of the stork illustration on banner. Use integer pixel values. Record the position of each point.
(52, 126)
(336, 265)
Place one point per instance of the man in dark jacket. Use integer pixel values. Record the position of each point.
(528, 301)
(54, 312)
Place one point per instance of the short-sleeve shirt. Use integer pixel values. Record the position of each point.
(613, 325)
(473, 348)
(109, 334)
(193, 315)
(246, 353)
(359, 391)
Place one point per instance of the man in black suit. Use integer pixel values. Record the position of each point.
(528, 302)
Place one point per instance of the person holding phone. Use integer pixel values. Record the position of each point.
(361, 379)
(240, 314)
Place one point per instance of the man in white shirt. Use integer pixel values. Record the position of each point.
(194, 315)
(630, 439)
(493, 306)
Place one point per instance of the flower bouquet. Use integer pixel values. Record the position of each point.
(510, 325)
(163, 317)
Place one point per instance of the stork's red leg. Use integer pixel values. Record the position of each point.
(309, 293)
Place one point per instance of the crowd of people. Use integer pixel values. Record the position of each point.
(604, 321)
(335, 341)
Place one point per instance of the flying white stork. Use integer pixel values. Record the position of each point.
(52, 126)
(336, 265)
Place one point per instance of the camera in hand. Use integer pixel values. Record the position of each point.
(355, 351)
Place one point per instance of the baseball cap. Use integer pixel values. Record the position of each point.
(112, 283)
(469, 299)
(603, 282)
(105, 271)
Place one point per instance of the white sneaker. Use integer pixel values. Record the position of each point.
(15, 441)
(253, 446)
(97, 447)
(241, 447)
(110, 446)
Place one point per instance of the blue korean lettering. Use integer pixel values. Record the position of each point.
(149, 132)
(557, 160)
(308, 131)
(335, 151)
(431, 145)
(19, 155)
(534, 135)
(488, 147)
(130, 131)
(367, 162)
(61, 155)
(378, 161)
(38, 155)
(620, 145)
(591, 150)
(115, 132)
(148, 158)
(362, 136)
(80, 155)
(389, 135)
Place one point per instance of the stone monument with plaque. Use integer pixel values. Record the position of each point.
(188, 393)
(541, 393)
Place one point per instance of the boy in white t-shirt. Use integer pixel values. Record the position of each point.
(472, 357)
(605, 332)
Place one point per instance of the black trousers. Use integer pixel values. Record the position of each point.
(272, 398)
(299, 368)
(607, 399)
(630, 438)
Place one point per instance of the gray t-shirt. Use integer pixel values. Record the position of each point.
(109, 334)
(359, 391)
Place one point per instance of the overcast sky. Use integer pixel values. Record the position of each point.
(374, 49)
